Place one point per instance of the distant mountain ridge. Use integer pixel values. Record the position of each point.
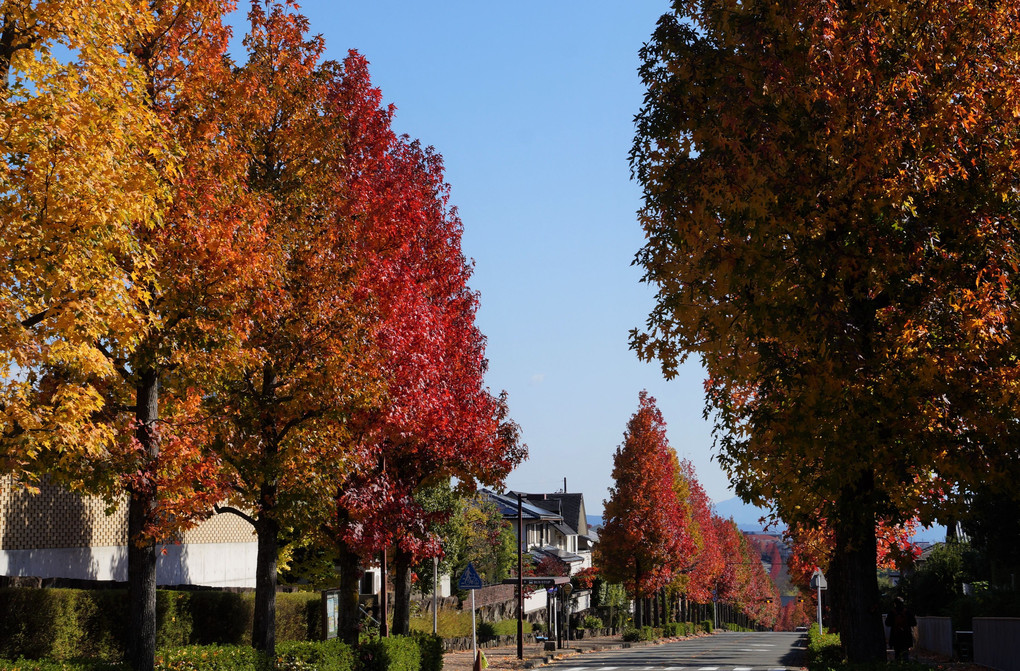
(747, 517)
(744, 515)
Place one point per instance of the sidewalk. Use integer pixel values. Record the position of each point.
(505, 657)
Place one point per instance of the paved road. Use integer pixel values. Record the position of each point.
(729, 651)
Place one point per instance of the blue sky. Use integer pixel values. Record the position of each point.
(532, 104)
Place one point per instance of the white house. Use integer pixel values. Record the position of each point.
(555, 525)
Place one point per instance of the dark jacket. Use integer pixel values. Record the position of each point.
(901, 623)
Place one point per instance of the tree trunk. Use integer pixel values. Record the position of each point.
(638, 601)
(349, 565)
(853, 576)
(401, 593)
(263, 631)
(141, 553)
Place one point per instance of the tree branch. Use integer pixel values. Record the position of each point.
(230, 509)
(34, 319)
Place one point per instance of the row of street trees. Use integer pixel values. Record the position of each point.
(830, 205)
(662, 541)
(230, 286)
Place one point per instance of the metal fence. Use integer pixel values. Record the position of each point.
(935, 634)
(997, 642)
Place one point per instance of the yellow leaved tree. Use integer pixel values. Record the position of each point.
(82, 154)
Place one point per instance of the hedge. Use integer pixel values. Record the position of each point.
(398, 653)
(411, 653)
(331, 655)
(678, 628)
(431, 651)
(646, 633)
(210, 658)
(66, 624)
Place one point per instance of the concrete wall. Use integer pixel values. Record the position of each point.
(54, 533)
(935, 634)
(997, 642)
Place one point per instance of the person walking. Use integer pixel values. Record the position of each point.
(901, 623)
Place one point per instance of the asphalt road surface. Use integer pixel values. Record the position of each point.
(729, 651)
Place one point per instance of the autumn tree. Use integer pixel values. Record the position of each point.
(437, 420)
(696, 579)
(152, 279)
(77, 177)
(743, 582)
(279, 413)
(829, 199)
(645, 537)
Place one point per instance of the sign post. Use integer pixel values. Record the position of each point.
(819, 583)
(470, 580)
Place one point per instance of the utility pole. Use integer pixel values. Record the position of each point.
(520, 578)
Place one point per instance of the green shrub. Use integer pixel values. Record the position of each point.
(298, 616)
(396, 653)
(53, 665)
(210, 658)
(431, 651)
(643, 634)
(61, 623)
(485, 631)
(173, 613)
(824, 651)
(677, 629)
(64, 624)
(220, 617)
(331, 655)
(591, 622)
(707, 626)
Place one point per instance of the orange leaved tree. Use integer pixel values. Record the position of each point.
(281, 413)
(140, 278)
(829, 194)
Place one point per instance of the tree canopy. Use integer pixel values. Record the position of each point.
(829, 203)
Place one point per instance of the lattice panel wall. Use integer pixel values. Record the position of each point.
(56, 518)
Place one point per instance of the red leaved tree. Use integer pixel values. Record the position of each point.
(696, 580)
(438, 420)
(646, 538)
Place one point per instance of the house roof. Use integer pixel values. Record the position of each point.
(569, 505)
(564, 529)
(507, 505)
